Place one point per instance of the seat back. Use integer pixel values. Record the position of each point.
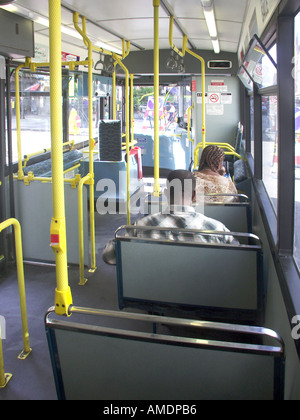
(120, 358)
(215, 280)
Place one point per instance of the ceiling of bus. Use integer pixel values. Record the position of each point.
(111, 20)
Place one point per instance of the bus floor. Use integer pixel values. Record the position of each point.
(33, 377)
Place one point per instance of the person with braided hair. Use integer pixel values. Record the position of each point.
(210, 179)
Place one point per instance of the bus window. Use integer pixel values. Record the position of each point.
(252, 124)
(174, 100)
(34, 112)
(270, 127)
(270, 155)
(297, 141)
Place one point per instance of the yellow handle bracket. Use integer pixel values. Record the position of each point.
(63, 301)
(58, 236)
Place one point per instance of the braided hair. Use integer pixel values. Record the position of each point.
(212, 157)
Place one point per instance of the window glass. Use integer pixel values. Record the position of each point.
(174, 102)
(35, 108)
(261, 65)
(270, 155)
(79, 104)
(252, 124)
(296, 74)
(245, 78)
(34, 113)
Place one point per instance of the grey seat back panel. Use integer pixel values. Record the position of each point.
(189, 275)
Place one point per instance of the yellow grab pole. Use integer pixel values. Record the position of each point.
(88, 43)
(203, 93)
(4, 377)
(18, 120)
(114, 92)
(156, 186)
(116, 58)
(21, 283)
(184, 50)
(132, 109)
(171, 39)
(63, 297)
(196, 162)
(189, 110)
(84, 180)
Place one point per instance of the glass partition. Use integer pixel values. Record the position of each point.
(261, 64)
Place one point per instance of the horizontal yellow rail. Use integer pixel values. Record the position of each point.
(31, 155)
(4, 378)
(228, 149)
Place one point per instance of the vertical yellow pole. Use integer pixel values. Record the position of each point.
(63, 297)
(2, 372)
(21, 283)
(132, 108)
(156, 186)
(114, 92)
(116, 58)
(4, 377)
(88, 43)
(18, 120)
(203, 93)
(203, 102)
(196, 152)
(84, 180)
(91, 155)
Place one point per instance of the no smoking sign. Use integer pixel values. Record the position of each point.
(214, 98)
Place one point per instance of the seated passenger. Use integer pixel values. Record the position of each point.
(180, 192)
(210, 179)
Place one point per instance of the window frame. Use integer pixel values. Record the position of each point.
(280, 228)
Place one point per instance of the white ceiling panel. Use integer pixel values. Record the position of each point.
(202, 44)
(111, 20)
(105, 10)
(229, 31)
(186, 8)
(195, 28)
(230, 10)
(228, 46)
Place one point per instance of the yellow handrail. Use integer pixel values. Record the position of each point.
(119, 62)
(131, 109)
(83, 181)
(173, 46)
(30, 155)
(63, 297)
(186, 50)
(203, 143)
(114, 92)
(189, 110)
(32, 66)
(203, 93)
(4, 377)
(21, 283)
(224, 146)
(117, 59)
(88, 42)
